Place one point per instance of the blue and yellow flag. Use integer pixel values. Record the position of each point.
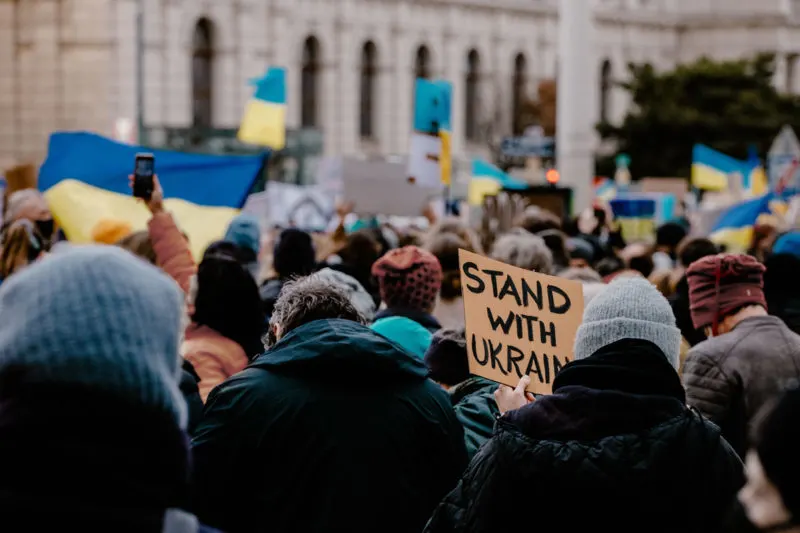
(432, 116)
(264, 121)
(711, 171)
(734, 228)
(85, 181)
(488, 180)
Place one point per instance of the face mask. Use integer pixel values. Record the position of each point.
(45, 228)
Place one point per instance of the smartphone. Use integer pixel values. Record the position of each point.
(143, 172)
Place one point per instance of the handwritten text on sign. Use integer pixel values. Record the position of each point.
(518, 322)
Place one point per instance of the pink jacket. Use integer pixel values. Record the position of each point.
(215, 358)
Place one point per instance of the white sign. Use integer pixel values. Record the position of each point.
(782, 155)
(423, 162)
(287, 205)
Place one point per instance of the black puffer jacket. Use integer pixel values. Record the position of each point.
(613, 448)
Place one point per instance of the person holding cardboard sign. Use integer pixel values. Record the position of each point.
(614, 447)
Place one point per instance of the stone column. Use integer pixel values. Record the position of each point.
(577, 88)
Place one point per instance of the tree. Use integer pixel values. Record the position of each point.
(727, 105)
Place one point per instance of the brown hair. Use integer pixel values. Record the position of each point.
(445, 247)
(22, 244)
(139, 244)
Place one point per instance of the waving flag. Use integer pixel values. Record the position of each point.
(85, 181)
(264, 121)
(711, 170)
(487, 180)
(734, 228)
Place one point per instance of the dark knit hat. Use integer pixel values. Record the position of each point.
(722, 284)
(446, 357)
(294, 254)
(776, 448)
(409, 278)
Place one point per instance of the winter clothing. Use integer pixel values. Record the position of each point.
(409, 278)
(425, 320)
(94, 316)
(628, 308)
(269, 292)
(476, 409)
(722, 284)
(333, 414)
(213, 356)
(683, 317)
(91, 414)
(580, 249)
(788, 243)
(446, 358)
(777, 449)
(404, 332)
(616, 435)
(244, 232)
(359, 297)
(188, 381)
(730, 378)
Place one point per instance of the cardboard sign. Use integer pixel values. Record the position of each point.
(518, 322)
(382, 188)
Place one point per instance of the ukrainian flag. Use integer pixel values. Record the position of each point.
(433, 116)
(488, 180)
(85, 181)
(264, 121)
(711, 170)
(734, 228)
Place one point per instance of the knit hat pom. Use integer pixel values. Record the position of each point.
(628, 308)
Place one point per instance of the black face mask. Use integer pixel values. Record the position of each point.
(45, 228)
(737, 521)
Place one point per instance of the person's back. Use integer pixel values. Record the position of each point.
(333, 429)
(613, 448)
(92, 422)
(751, 356)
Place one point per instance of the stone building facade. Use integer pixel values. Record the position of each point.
(71, 64)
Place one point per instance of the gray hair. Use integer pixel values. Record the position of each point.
(582, 274)
(523, 250)
(307, 299)
(358, 296)
(18, 200)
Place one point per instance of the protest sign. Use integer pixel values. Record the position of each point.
(518, 322)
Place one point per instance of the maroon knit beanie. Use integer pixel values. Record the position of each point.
(409, 278)
(722, 284)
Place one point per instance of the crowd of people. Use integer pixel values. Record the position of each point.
(299, 382)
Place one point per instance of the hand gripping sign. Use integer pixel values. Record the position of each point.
(518, 322)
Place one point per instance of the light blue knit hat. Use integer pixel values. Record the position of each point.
(244, 232)
(406, 333)
(628, 308)
(99, 317)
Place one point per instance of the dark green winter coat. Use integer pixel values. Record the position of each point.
(476, 408)
(333, 429)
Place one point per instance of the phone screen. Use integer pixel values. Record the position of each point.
(144, 166)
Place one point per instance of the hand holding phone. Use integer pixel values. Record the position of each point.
(143, 174)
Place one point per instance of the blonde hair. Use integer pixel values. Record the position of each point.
(21, 245)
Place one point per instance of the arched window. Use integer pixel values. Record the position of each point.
(202, 73)
(422, 64)
(605, 90)
(791, 63)
(471, 97)
(310, 84)
(369, 72)
(518, 98)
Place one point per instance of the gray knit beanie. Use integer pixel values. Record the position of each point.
(628, 308)
(96, 316)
